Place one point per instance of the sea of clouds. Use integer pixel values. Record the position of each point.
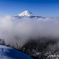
(19, 30)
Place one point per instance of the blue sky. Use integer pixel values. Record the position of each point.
(45, 8)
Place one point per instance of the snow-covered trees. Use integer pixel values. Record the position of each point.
(2, 42)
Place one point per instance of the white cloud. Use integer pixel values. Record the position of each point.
(19, 30)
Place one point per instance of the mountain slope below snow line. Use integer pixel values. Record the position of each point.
(27, 14)
(10, 53)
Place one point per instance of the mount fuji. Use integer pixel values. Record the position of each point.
(27, 14)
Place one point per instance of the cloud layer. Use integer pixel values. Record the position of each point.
(19, 30)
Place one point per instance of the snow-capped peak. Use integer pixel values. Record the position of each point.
(26, 13)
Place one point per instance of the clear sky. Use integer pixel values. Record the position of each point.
(45, 8)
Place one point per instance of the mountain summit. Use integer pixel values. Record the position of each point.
(26, 13)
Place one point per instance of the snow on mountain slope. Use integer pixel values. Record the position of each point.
(26, 13)
(10, 53)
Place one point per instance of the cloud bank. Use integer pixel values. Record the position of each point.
(19, 30)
